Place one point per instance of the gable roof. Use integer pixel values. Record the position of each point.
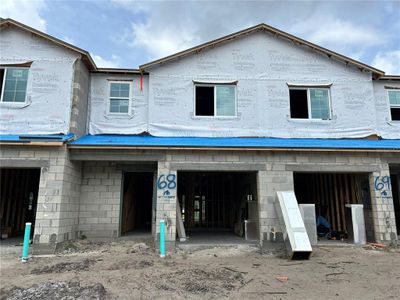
(87, 59)
(270, 29)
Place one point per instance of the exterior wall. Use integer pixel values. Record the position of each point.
(84, 198)
(103, 122)
(80, 99)
(47, 109)
(383, 208)
(166, 206)
(275, 173)
(59, 191)
(262, 65)
(382, 108)
(100, 203)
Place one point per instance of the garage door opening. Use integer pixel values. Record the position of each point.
(395, 181)
(219, 207)
(137, 203)
(19, 192)
(332, 193)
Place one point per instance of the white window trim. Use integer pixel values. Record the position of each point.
(392, 105)
(4, 84)
(309, 103)
(214, 85)
(109, 97)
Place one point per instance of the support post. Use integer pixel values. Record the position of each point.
(27, 237)
(162, 238)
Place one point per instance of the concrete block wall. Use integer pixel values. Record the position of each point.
(384, 219)
(80, 95)
(100, 201)
(275, 173)
(85, 197)
(166, 206)
(59, 190)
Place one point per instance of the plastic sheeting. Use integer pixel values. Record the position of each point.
(387, 128)
(101, 121)
(143, 141)
(47, 108)
(262, 65)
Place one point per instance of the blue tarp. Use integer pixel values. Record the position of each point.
(237, 142)
(36, 137)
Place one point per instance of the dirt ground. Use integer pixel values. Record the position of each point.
(132, 270)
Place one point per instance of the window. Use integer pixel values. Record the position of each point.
(119, 97)
(13, 83)
(309, 103)
(215, 100)
(394, 99)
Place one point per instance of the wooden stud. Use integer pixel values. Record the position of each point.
(335, 201)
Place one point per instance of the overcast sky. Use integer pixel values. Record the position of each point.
(127, 33)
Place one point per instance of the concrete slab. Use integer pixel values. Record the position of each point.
(11, 246)
(204, 239)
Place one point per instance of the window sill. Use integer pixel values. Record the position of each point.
(14, 104)
(310, 121)
(119, 115)
(215, 117)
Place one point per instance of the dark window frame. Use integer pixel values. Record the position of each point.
(3, 84)
(393, 107)
(214, 86)
(309, 109)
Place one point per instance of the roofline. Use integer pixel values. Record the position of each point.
(120, 71)
(86, 54)
(389, 77)
(276, 32)
(213, 148)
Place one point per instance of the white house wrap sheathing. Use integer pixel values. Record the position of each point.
(103, 122)
(263, 65)
(48, 103)
(384, 124)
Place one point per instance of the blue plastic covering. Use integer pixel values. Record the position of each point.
(23, 138)
(239, 142)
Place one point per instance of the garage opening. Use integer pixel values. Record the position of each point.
(219, 207)
(395, 181)
(137, 203)
(332, 193)
(19, 192)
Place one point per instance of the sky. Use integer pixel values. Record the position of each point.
(128, 33)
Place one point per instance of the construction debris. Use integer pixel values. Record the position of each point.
(214, 273)
(56, 290)
(282, 278)
(65, 267)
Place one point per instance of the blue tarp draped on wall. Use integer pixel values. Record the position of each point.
(262, 142)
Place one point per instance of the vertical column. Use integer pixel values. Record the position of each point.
(274, 179)
(166, 202)
(154, 207)
(48, 225)
(382, 206)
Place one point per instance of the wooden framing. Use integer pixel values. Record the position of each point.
(330, 190)
(30, 143)
(15, 189)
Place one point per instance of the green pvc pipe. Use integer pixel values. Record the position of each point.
(162, 238)
(27, 237)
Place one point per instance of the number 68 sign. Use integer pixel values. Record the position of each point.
(166, 185)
